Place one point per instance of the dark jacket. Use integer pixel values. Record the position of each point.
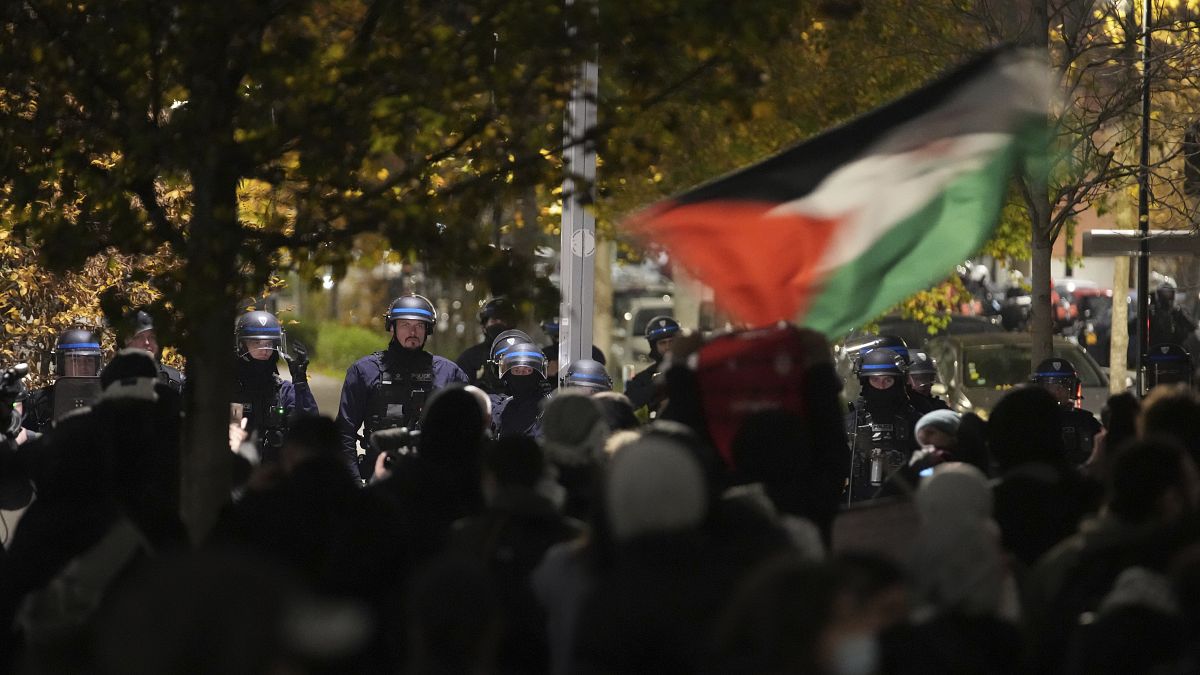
(642, 389)
(361, 377)
(511, 537)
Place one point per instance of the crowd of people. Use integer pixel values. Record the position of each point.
(504, 517)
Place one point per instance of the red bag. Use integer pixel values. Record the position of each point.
(744, 373)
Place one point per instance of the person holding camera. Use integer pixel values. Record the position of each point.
(389, 388)
(267, 401)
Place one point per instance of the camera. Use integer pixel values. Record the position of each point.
(395, 443)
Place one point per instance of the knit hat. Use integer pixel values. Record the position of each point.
(957, 563)
(573, 428)
(942, 420)
(655, 486)
(131, 374)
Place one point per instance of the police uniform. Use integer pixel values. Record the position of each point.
(641, 389)
(77, 357)
(1079, 427)
(518, 412)
(388, 388)
(474, 359)
(879, 426)
(268, 401)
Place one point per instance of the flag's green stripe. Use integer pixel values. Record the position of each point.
(916, 252)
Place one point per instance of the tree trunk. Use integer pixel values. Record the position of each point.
(1119, 333)
(1041, 325)
(1041, 320)
(209, 318)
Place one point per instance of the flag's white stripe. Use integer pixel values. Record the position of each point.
(910, 165)
(871, 195)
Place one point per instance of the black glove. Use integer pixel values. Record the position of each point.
(297, 363)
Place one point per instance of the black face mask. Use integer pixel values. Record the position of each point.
(493, 331)
(884, 399)
(523, 385)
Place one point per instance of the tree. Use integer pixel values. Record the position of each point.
(285, 128)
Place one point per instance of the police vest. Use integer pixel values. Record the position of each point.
(266, 415)
(398, 398)
(880, 447)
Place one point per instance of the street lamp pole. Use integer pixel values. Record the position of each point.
(1143, 261)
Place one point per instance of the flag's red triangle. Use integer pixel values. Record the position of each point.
(762, 269)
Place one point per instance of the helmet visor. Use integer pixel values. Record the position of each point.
(262, 346)
(520, 356)
(78, 363)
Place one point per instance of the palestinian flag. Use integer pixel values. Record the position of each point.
(836, 230)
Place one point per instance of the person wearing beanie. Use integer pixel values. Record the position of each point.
(574, 431)
(965, 593)
(937, 433)
(132, 374)
(654, 607)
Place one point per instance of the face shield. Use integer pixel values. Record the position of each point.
(78, 361)
(524, 355)
(262, 346)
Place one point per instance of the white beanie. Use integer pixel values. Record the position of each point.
(655, 486)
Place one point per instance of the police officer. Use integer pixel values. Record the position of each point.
(495, 317)
(642, 390)
(550, 328)
(139, 333)
(268, 401)
(518, 411)
(77, 361)
(922, 375)
(1168, 323)
(389, 388)
(880, 423)
(1167, 364)
(588, 375)
(892, 342)
(1079, 428)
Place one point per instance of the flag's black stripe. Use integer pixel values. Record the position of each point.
(794, 172)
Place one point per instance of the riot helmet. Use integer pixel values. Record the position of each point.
(1058, 376)
(523, 354)
(1164, 296)
(498, 308)
(895, 343)
(881, 362)
(660, 328)
(138, 332)
(1167, 364)
(587, 374)
(506, 341)
(78, 354)
(922, 372)
(412, 306)
(550, 328)
(259, 336)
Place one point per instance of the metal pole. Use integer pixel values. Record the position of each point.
(1143, 261)
(578, 239)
